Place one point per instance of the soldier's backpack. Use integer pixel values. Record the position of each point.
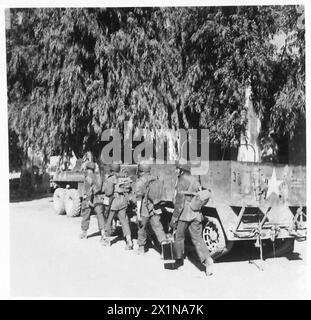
(199, 198)
(108, 187)
(123, 185)
(155, 191)
(151, 188)
(107, 191)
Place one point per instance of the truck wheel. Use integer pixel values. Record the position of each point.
(215, 238)
(72, 203)
(59, 201)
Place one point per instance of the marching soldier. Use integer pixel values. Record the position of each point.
(117, 191)
(91, 203)
(185, 218)
(147, 211)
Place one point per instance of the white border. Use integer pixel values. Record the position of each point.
(4, 195)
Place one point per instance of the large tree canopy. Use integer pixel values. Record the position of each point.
(73, 73)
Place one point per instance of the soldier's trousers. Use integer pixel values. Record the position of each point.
(124, 220)
(86, 216)
(195, 231)
(156, 226)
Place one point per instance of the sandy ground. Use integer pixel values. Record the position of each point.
(49, 260)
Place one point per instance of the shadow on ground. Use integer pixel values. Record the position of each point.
(243, 251)
(22, 198)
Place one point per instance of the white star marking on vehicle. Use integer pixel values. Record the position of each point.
(273, 185)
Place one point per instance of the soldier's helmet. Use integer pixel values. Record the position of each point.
(144, 167)
(90, 165)
(115, 167)
(185, 166)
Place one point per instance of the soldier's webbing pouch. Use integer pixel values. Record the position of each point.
(168, 251)
(200, 199)
(106, 200)
(123, 185)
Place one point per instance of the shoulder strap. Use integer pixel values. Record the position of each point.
(148, 183)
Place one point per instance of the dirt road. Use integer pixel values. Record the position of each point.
(48, 260)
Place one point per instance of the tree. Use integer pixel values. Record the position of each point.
(15, 152)
(72, 73)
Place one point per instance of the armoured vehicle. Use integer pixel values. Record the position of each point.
(260, 202)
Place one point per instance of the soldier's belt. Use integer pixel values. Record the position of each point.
(106, 200)
(120, 194)
(99, 196)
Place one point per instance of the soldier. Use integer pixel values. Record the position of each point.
(185, 218)
(91, 202)
(118, 203)
(88, 157)
(147, 211)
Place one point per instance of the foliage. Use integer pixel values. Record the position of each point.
(15, 152)
(74, 72)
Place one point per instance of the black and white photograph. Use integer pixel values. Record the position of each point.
(155, 152)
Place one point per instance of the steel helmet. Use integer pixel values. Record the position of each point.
(90, 165)
(185, 166)
(144, 167)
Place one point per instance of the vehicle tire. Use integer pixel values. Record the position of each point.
(282, 247)
(59, 201)
(214, 237)
(72, 203)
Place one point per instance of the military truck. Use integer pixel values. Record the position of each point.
(68, 186)
(259, 202)
(67, 195)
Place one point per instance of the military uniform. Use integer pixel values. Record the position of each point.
(92, 203)
(150, 212)
(119, 202)
(186, 218)
(88, 158)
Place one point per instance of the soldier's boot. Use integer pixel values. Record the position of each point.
(140, 250)
(179, 263)
(209, 267)
(129, 246)
(105, 241)
(129, 243)
(83, 235)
